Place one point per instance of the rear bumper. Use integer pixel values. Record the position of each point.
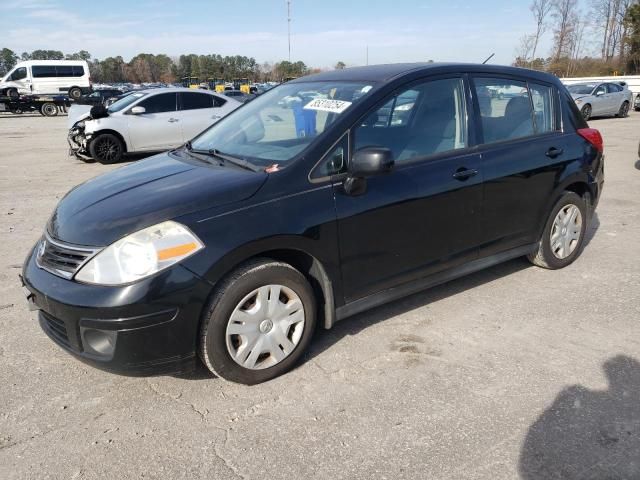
(146, 328)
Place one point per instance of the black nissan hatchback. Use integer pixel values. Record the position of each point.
(369, 184)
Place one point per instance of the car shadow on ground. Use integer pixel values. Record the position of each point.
(588, 434)
(324, 339)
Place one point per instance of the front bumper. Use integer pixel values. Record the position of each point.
(149, 327)
(78, 143)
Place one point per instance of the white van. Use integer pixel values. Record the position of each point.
(47, 77)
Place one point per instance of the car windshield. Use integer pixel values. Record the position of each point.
(125, 101)
(581, 89)
(278, 125)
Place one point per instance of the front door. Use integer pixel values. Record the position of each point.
(423, 216)
(158, 128)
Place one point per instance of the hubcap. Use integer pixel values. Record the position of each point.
(566, 231)
(265, 327)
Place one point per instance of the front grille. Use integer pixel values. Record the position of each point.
(60, 258)
(56, 328)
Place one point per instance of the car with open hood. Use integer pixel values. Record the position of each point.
(370, 184)
(602, 98)
(149, 120)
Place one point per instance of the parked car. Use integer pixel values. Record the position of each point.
(146, 121)
(99, 97)
(636, 103)
(47, 77)
(239, 95)
(235, 246)
(596, 99)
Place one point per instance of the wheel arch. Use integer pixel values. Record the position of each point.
(578, 184)
(292, 253)
(97, 133)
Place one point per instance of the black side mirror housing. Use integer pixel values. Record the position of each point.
(371, 161)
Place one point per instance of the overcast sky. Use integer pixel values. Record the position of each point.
(323, 31)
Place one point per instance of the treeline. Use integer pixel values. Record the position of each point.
(150, 68)
(590, 38)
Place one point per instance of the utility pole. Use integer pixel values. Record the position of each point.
(289, 26)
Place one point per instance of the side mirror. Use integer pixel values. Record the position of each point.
(599, 93)
(371, 161)
(137, 110)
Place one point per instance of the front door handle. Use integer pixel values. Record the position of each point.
(173, 120)
(554, 152)
(464, 173)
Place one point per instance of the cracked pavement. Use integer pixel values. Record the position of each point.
(486, 377)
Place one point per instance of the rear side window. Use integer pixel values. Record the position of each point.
(77, 71)
(542, 100)
(505, 109)
(164, 102)
(194, 101)
(64, 70)
(613, 88)
(218, 101)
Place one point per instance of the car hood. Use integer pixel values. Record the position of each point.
(110, 206)
(578, 96)
(76, 113)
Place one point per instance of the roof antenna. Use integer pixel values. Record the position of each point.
(488, 58)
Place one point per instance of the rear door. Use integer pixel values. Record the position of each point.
(615, 97)
(599, 101)
(198, 111)
(522, 151)
(423, 216)
(158, 128)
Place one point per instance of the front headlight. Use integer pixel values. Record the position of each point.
(140, 254)
(578, 102)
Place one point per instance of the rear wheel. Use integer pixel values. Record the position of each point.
(49, 109)
(106, 148)
(75, 93)
(563, 236)
(258, 323)
(624, 110)
(586, 112)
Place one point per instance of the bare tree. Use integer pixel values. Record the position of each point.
(564, 13)
(524, 51)
(540, 10)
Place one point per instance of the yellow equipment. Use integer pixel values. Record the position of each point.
(241, 84)
(190, 82)
(216, 84)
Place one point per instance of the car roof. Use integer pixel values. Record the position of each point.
(387, 72)
(174, 89)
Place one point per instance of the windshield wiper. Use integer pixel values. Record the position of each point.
(240, 162)
(202, 155)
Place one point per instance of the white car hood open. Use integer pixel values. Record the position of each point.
(76, 113)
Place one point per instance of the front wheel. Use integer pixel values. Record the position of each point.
(259, 322)
(106, 148)
(586, 112)
(13, 94)
(563, 236)
(624, 110)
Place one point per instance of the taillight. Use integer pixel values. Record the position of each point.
(592, 136)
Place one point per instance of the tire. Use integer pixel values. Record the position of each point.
(106, 148)
(624, 110)
(547, 254)
(238, 296)
(586, 112)
(75, 93)
(13, 93)
(49, 109)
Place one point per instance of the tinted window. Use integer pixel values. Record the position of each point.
(612, 87)
(19, 74)
(218, 101)
(77, 70)
(165, 102)
(42, 71)
(505, 109)
(192, 100)
(64, 70)
(601, 89)
(581, 88)
(541, 97)
(423, 120)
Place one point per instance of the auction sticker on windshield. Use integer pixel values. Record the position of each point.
(325, 105)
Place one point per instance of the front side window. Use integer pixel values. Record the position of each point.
(278, 125)
(19, 74)
(600, 90)
(505, 109)
(161, 103)
(194, 101)
(425, 119)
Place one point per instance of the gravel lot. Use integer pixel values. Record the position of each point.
(514, 372)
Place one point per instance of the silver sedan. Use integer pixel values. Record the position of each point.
(596, 99)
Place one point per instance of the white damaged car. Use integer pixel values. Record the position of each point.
(151, 120)
(598, 98)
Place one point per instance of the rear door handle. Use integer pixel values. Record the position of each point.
(172, 120)
(464, 173)
(554, 152)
